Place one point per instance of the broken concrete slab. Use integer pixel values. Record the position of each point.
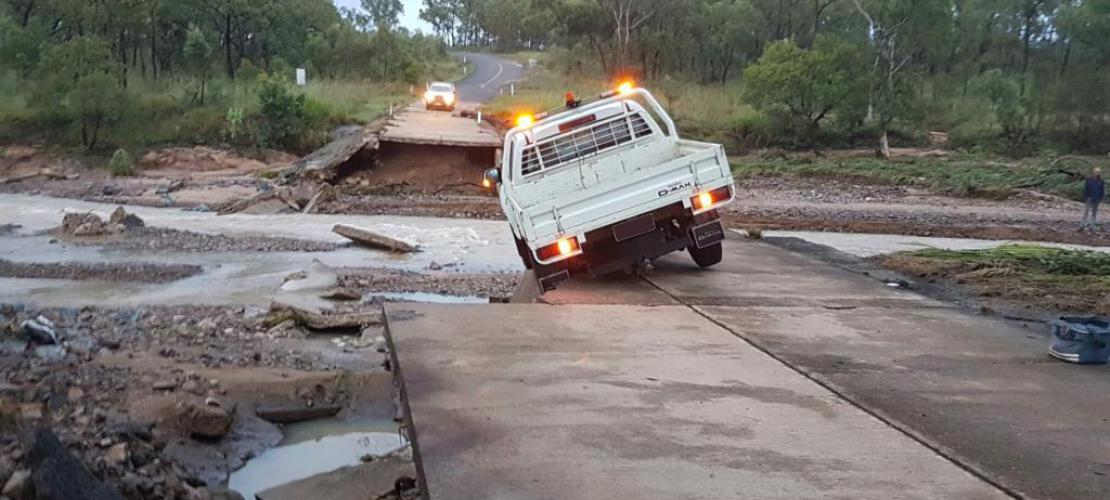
(322, 165)
(370, 238)
(295, 412)
(58, 474)
(318, 318)
(317, 276)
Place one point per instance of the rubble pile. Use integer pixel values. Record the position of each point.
(86, 224)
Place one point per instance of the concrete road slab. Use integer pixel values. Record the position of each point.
(415, 125)
(584, 401)
(754, 274)
(981, 390)
(615, 289)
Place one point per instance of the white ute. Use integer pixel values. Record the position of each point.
(600, 186)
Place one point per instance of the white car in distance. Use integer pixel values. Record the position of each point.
(440, 95)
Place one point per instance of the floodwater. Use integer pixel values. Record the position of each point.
(247, 278)
(870, 245)
(312, 448)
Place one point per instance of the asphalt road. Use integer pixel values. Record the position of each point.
(488, 75)
(502, 389)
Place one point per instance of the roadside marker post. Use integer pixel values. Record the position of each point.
(512, 89)
(391, 110)
(479, 118)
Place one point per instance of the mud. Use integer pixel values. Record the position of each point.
(132, 272)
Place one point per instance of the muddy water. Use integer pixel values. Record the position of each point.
(313, 448)
(234, 277)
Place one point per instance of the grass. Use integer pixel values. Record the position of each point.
(166, 113)
(1066, 280)
(959, 175)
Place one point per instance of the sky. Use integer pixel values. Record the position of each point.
(409, 19)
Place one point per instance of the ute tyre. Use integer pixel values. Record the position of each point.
(708, 256)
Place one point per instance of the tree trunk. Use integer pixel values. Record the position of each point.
(227, 47)
(884, 144)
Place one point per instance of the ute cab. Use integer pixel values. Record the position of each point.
(440, 95)
(607, 185)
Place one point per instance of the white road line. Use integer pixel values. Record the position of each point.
(500, 69)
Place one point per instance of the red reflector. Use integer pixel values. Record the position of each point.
(578, 122)
(563, 247)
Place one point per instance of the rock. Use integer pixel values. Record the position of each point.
(12, 346)
(50, 353)
(192, 386)
(295, 412)
(111, 190)
(117, 454)
(164, 385)
(73, 220)
(127, 220)
(82, 345)
(204, 421)
(38, 330)
(58, 475)
(18, 486)
(370, 238)
(90, 229)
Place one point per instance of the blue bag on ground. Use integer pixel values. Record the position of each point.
(1081, 339)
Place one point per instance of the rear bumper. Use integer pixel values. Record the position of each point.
(605, 252)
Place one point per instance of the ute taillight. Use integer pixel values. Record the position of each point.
(706, 200)
(564, 248)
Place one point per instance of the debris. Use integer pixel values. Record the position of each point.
(285, 414)
(117, 454)
(322, 164)
(273, 201)
(369, 238)
(324, 193)
(50, 353)
(318, 319)
(58, 475)
(317, 276)
(40, 330)
(342, 293)
(164, 385)
(205, 421)
(174, 185)
(128, 220)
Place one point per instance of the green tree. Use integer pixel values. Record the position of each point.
(81, 82)
(281, 115)
(803, 87)
(385, 14)
(198, 57)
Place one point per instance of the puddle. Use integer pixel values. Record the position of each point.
(427, 298)
(313, 448)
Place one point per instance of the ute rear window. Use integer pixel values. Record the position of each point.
(441, 88)
(583, 142)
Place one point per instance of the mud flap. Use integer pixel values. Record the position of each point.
(707, 234)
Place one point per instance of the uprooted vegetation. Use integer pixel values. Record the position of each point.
(1034, 277)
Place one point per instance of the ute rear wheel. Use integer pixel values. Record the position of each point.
(706, 256)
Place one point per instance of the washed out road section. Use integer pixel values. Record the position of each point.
(587, 401)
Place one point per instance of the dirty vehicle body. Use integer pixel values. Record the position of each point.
(600, 187)
(440, 95)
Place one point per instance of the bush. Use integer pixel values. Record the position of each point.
(281, 115)
(121, 164)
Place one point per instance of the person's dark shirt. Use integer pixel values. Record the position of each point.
(1094, 189)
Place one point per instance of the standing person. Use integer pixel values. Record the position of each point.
(1094, 190)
